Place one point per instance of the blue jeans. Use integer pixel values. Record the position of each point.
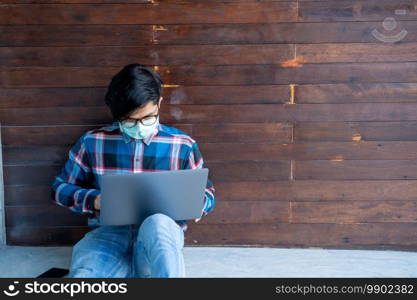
(153, 249)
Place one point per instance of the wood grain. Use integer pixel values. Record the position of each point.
(258, 74)
(199, 34)
(305, 119)
(146, 13)
(209, 114)
(279, 190)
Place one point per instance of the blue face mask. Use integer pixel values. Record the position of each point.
(139, 131)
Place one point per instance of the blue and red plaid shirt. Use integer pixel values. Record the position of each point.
(108, 149)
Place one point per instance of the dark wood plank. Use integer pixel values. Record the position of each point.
(353, 10)
(165, 13)
(357, 92)
(43, 216)
(238, 212)
(155, 2)
(43, 135)
(92, 96)
(34, 175)
(307, 151)
(291, 74)
(267, 74)
(228, 152)
(346, 236)
(352, 212)
(305, 235)
(318, 190)
(234, 94)
(249, 170)
(209, 114)
(228, 132)
(45, 236)
(356, 131)
(67, 135)
(355, 169)
(51, 97)
(219, 171)
(320, 32)
(76, 35)
(242, 132)
(147, 55)
(298, 190)
(357, 52)
(197, 34)
(225, 213)
(25, 195)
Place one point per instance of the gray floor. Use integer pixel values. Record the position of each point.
(18, 261)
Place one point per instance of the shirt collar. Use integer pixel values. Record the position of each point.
(127, 138)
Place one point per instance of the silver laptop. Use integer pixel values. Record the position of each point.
(130, 198)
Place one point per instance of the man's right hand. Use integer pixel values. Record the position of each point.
(97, 202)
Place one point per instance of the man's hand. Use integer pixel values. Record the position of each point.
(196, 220)
(97, 202)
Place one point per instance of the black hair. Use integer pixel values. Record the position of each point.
(131, 88)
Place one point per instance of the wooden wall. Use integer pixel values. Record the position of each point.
(307, 122)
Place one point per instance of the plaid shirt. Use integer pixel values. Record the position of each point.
(108, 149)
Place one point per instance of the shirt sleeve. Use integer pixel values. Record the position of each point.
(196, 161)
(72, 187)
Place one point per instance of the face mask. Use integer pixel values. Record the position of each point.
(139, 131)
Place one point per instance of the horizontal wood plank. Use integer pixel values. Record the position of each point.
(352, 10)
(243, 12)
(146, 55)
(229, 172)
(356, 92)
(206, 54)
(318, 190)
(198, 34)
(43, 216)
(281, 190)
(302, 235)
(226, 133)
(263, 33)
(192, 75)
(209, 114)
(45, 236)
(226, 213)
(352, 212)
(357, 52)
(355, 131)
(164, 13)
(235, 152)
(76, 35)
(94, 96)
(355, 169)
(347, 236)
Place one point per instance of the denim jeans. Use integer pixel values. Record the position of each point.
(153, 249)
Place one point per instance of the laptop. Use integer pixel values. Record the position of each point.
(128, 198)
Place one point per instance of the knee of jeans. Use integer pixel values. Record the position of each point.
(157, 222)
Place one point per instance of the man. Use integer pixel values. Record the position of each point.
(134, 142)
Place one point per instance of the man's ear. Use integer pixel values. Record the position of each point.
(160, 100)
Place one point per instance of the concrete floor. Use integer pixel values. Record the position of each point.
(17, 261)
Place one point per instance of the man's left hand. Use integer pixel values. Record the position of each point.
(196, 220)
